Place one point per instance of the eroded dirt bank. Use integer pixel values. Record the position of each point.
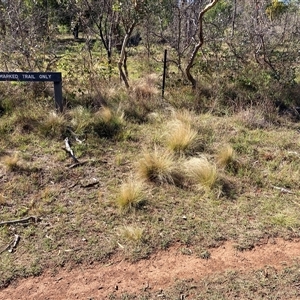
(157, 273)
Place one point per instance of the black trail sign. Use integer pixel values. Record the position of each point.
(38, 76)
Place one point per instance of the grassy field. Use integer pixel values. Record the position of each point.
(150, 174)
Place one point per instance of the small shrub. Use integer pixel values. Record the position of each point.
(200, 171)
(131, 195)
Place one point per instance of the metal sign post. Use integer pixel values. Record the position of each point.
(38, 76)
(164, 75)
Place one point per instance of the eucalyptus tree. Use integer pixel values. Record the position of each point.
(183, 28)
(131, 14)
(22, 32)
(28, 29)
(101, 17)
(114, 22)
(199, 42)
(269, 32)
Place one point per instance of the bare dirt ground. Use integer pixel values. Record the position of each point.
(156, 273)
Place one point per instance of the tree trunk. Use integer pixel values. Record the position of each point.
(122, 60)
(199, 44)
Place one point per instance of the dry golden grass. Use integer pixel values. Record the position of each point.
(145, 88)
(81, 118)
(108, 123)
(131, 233)
(225, 155)
(2, 200)
(54, 124)
(200, 171)
(105, 114)
(185, 116)
(157, 165)
(180, 136)
(252, 118)
(131, 195)
(12, 162)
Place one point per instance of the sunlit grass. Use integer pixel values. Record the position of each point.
(225, 155)
(185, 116)
(145, 88)
(53, 125)
(81, 119)
(201, 172)
(180, 136)
(157, 165)
(131, 233)
(108, 123)
(11, 162)
(131, 195)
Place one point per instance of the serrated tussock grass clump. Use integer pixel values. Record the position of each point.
(26, 119)
(131, 195)
(145, 88)
(11, 162)
(131, 233)
(2, 200)
(253, 118)
(53, 125)
(81, 119)
(201, 172)
(225, 156)
(158, 165)
(108, 124)
(180, 136)
(184, 115)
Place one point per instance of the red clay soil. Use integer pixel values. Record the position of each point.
(158, 273)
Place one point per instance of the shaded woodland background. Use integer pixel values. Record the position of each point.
(249, 54)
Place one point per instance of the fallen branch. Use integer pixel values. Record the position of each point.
(69, 150)
(77, 164)
(283, 190)
(25, 220)
(12, 245)
(75, 136)
(91, 183)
